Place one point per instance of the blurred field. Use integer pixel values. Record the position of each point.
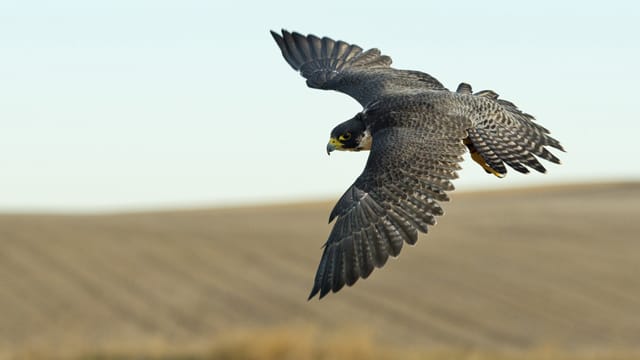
(511, 272)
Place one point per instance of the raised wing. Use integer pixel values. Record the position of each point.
(407, 173)
(336, 65)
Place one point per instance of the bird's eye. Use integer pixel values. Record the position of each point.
(344, 137)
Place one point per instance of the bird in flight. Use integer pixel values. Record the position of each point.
(417, 131)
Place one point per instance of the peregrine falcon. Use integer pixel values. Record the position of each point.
(417, 132)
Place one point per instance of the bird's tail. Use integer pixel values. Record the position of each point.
(504, 134)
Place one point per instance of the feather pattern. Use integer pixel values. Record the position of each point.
(389, 204)
(419, 132)
(337, 65)
(504, 134)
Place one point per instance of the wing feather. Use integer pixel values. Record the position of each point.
(390, 202)
(297, 59)
(338, 65)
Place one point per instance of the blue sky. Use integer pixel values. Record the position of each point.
(138, 104)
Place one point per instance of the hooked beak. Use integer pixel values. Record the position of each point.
(333, 145)
(330, 148)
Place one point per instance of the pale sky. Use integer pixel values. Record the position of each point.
(138, 104)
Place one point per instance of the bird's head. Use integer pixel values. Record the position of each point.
(351, 135)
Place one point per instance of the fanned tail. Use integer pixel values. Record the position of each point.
(505, 135)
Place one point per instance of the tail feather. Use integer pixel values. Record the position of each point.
(489, 161)
(503, 134)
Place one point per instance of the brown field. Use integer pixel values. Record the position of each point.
(545, 273)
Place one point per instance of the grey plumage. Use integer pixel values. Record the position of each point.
(419, 130)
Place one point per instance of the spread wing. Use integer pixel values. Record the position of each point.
(336, 65)
(407, 173)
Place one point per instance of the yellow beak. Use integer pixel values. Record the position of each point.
(333, 144)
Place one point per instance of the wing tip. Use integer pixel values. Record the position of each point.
(277, 36)
(313, 293)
